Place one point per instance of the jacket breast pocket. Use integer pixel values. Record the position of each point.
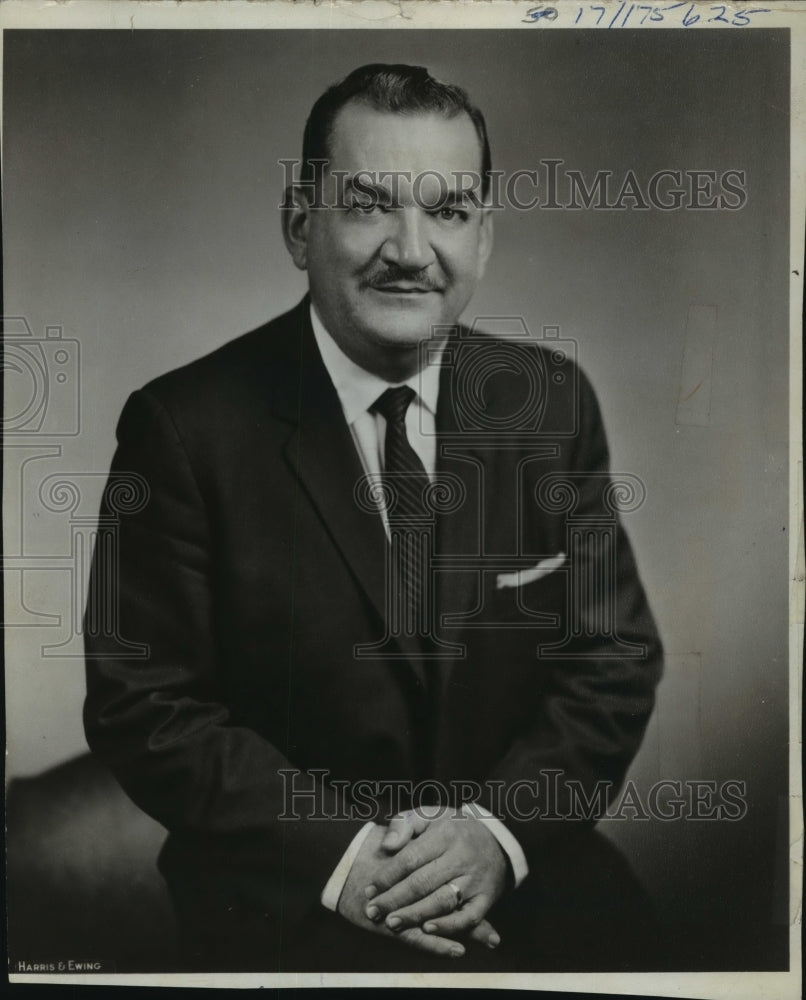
(535, 604)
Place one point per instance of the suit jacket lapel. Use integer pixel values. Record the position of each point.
(322, 452)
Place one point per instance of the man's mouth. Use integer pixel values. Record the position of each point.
(404, 288)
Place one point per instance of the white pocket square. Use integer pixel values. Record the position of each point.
(524, 576)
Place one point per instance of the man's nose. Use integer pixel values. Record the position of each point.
(407, 243)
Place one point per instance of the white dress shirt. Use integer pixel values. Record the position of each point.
(357, 390)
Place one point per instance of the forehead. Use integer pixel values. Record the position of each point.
(363, 138)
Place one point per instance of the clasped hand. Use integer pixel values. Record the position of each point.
(428, 878)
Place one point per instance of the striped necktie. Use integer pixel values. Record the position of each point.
(406, 485)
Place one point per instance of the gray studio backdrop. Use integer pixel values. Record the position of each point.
(140, 194)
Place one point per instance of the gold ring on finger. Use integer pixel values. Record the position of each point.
(458, 893)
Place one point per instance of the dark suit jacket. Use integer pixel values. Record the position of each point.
(251, 574)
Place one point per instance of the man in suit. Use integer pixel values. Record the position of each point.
(379, 569)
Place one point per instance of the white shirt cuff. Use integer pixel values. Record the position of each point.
(335, 884)
(509, 845)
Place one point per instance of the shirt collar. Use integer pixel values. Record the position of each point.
(357, 388)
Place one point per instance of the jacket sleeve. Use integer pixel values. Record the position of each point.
(600, 691)
(157, 720)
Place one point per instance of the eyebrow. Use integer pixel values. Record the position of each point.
(462, 197)
(367, 187)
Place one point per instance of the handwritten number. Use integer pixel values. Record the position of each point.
(739, 18)
(690, 17)
(746, 15)
(543, 14)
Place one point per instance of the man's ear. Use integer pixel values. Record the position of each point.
(295, 217)
(485, 242)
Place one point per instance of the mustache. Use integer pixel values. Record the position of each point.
(392, 275)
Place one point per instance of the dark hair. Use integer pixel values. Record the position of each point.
(398, 88)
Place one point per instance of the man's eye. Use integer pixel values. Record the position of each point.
(452, 214)
(366, 207)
